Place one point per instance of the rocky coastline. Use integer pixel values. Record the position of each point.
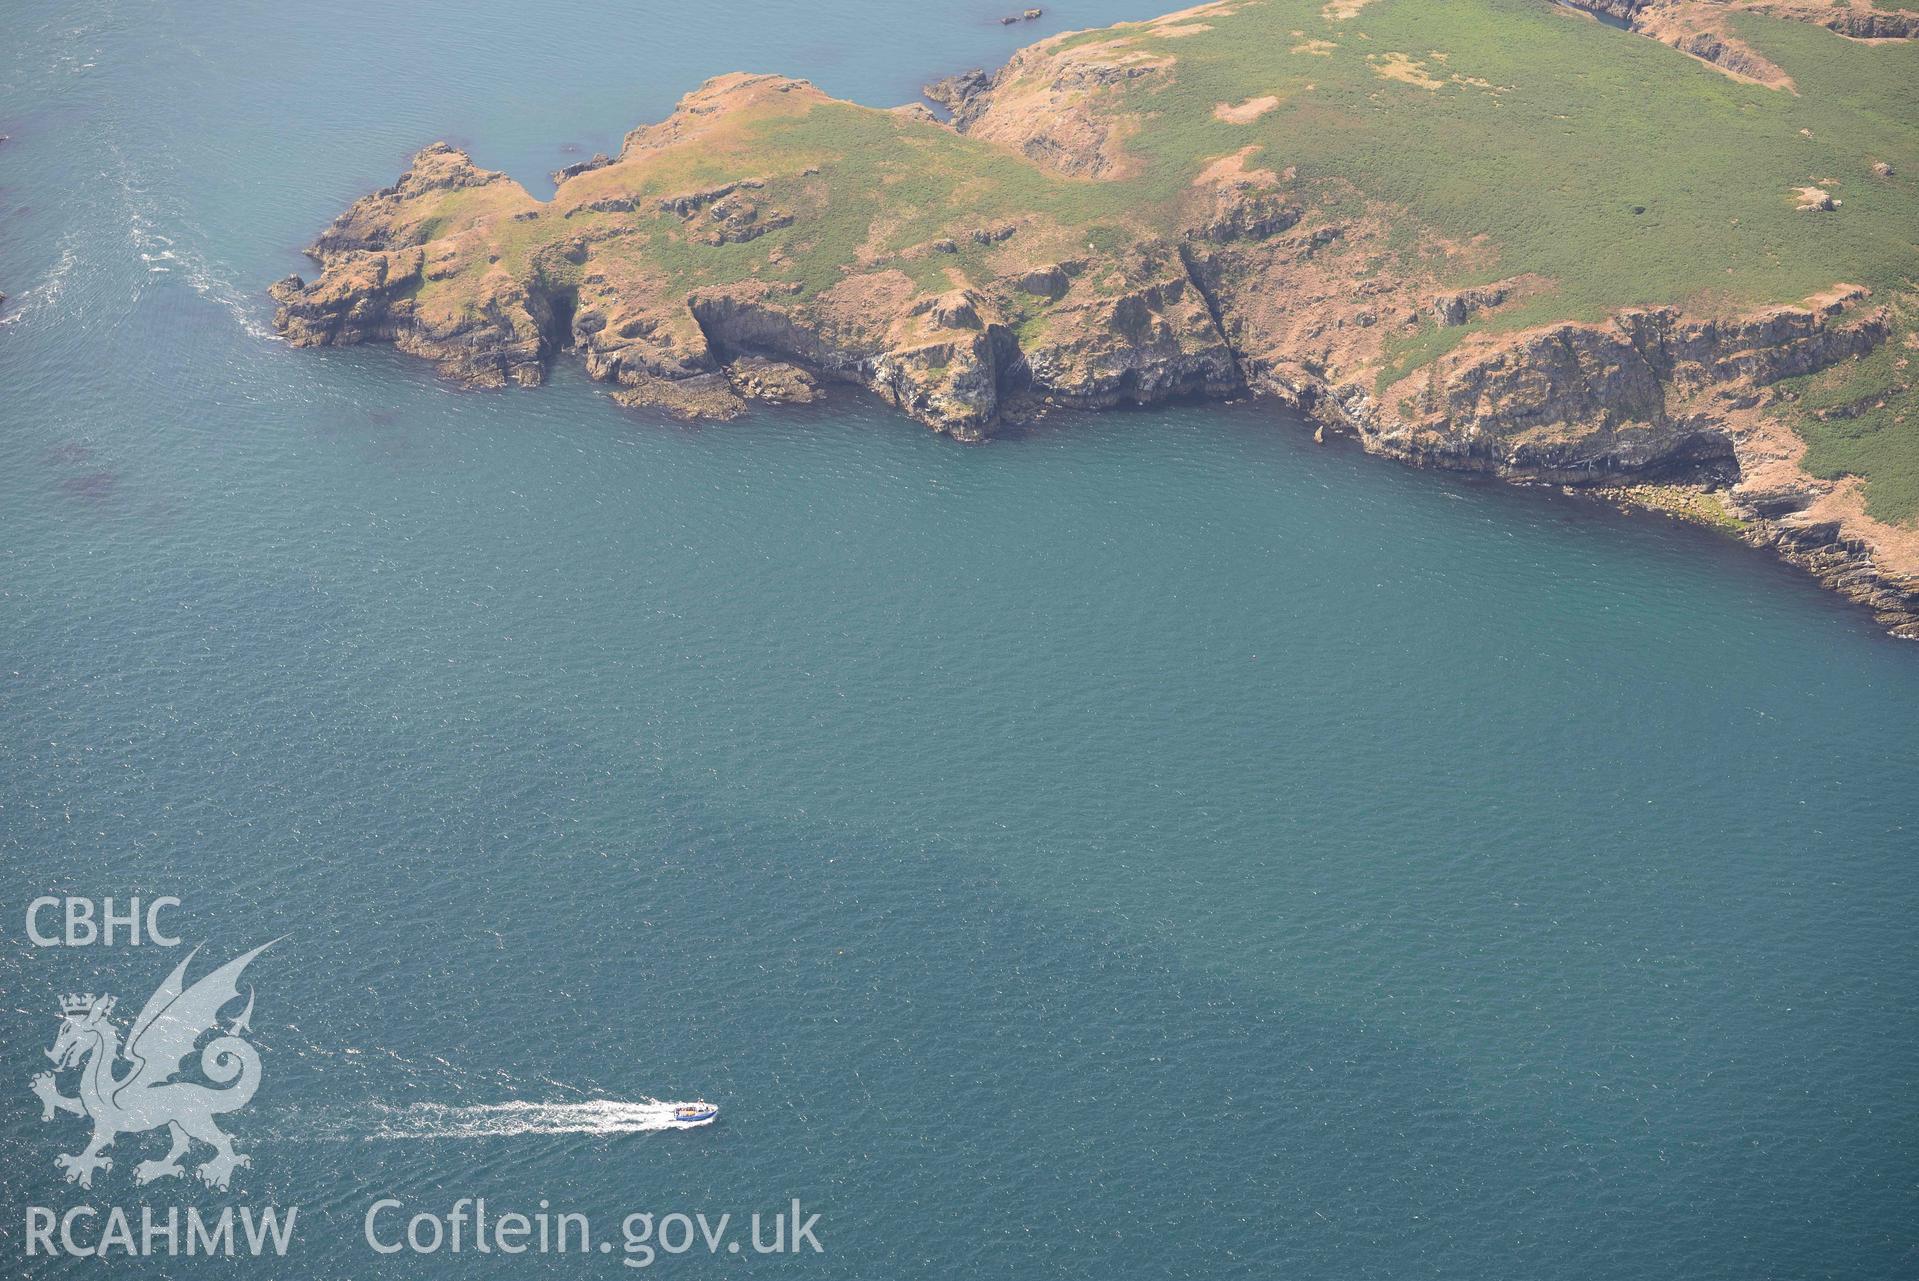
(1251, 292)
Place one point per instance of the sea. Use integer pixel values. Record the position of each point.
(1151, 845)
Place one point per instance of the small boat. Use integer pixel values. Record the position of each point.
(698, 1113)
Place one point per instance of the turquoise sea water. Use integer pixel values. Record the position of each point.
(1153, 846)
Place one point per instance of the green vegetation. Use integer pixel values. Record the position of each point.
(1622, 170)
(1517, 136)
(1689, 503)
(1626, 172)
(1860, 419)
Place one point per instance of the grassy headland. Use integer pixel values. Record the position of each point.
(1323, 201)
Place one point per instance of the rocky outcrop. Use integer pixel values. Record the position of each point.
(963, 95)
(1146, 334)
(1617, 10)
(378, 269)
(348, 305)
(708, 397)
(1843, 563)
(1458, 306)
(393, 217)
(772, 382)
(629, 340)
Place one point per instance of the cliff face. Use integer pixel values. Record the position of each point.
(1648, 390)
(1651, 395)
(729, 254)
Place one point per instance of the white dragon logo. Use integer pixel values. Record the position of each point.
(146, 1096)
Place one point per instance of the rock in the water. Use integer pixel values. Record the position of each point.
(600, 160)
(703, 397)
(772, 381)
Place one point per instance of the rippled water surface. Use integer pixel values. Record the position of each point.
(1151, 846)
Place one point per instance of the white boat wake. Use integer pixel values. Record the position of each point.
(45, 293)
(490, 1120)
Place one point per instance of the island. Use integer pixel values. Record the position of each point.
(1664, 250)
